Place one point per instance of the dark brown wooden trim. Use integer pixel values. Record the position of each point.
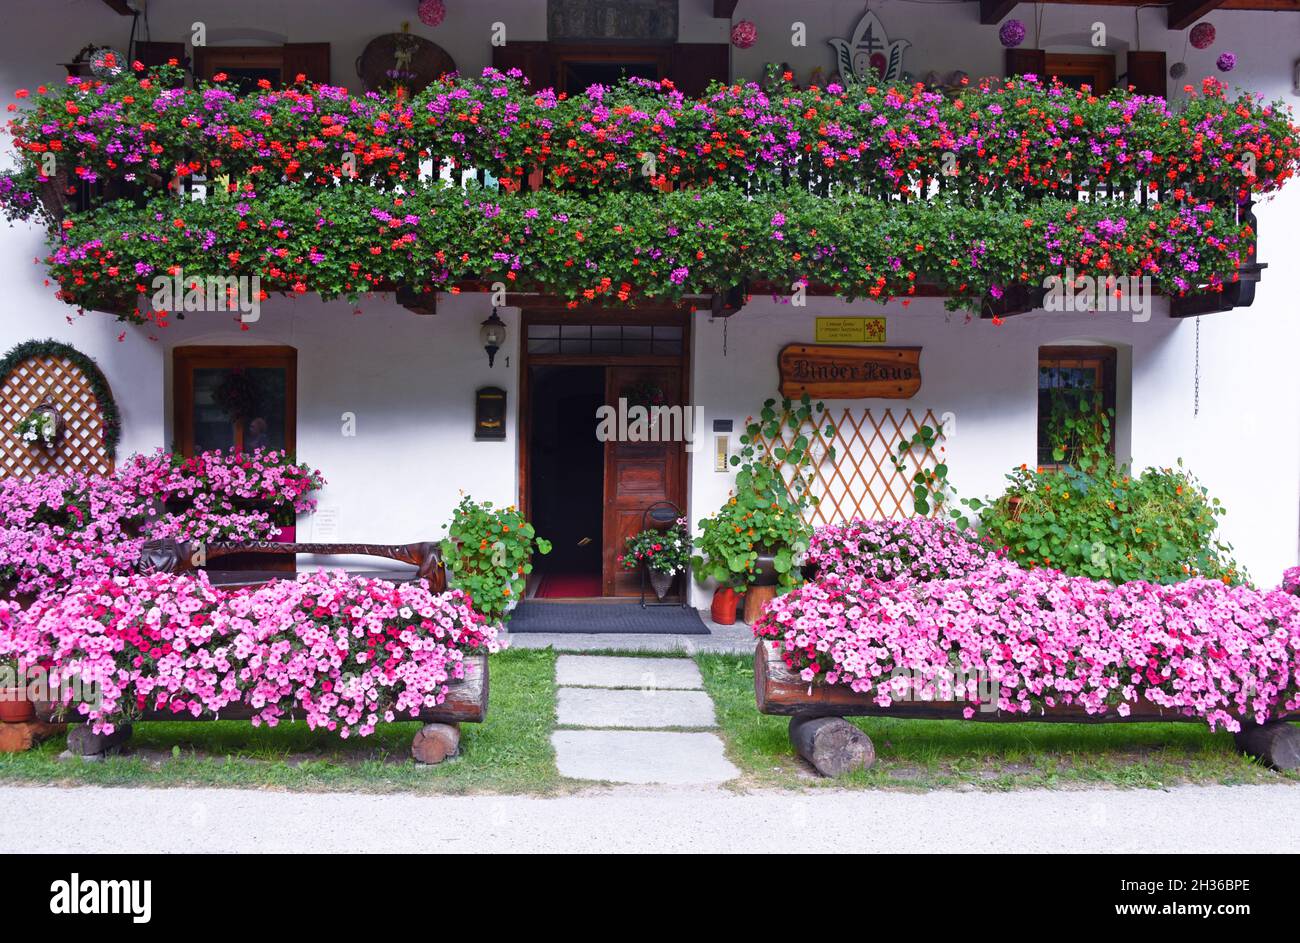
(1181, 14)
(1098, 68)
(119, 7)
(992, 11)
(554, 314)
(724, 9)
(186, 359)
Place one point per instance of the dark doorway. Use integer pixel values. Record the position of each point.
(567, 468)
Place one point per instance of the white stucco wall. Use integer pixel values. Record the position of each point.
(410, 380)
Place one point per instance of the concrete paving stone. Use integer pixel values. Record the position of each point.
(604, 707)
(608, 671)
(642, 756)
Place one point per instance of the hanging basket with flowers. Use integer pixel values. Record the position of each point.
(42, 427)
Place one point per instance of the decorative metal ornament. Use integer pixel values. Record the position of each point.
(432, 12)
(744, 34)
(1012, 33)
(1202, 36)
(869, 50)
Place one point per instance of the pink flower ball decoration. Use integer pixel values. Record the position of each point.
(1226, 62)
(1012, 33)
(1203, 35)
(744, 34)
(432, 12)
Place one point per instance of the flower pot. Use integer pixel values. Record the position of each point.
(723, 610)
(1013, 506)
(660, 582)
(765, 570)
(14, 706)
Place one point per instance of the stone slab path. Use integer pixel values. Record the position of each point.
(636, 720)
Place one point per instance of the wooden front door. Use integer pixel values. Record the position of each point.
(637, 474)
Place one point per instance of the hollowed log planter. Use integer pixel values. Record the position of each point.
(439, 738)
(821, 735)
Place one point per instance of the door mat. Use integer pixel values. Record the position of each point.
(613, 618)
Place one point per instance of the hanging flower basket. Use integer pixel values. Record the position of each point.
(660, 581)
(42, 427)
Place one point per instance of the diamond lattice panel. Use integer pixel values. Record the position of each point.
(862, 481)
(81, 447)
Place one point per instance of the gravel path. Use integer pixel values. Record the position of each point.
(638, 818)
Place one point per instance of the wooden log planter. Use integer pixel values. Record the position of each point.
(820, 734)
(437, 740)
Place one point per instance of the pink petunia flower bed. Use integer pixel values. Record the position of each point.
(881, 625)
(343, 653)
(57, 528)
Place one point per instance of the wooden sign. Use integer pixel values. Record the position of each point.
(824, 371)
(850, 331)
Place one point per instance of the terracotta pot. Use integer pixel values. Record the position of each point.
(14, 706)
(1013, 505)
(723, 609)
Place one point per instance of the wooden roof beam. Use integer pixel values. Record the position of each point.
(723, 9)
(1181, 14)
(119, 7)
(992, 11)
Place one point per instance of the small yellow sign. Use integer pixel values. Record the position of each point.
(850, 330)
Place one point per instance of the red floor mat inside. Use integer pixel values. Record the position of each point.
(569, 586)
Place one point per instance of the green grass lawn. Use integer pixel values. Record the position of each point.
(921, 754)
(509, 752)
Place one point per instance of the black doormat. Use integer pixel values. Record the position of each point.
(613, 618)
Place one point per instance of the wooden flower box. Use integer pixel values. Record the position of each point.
(821, 735)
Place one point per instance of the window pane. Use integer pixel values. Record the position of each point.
(253, 399)
(543, 330)
(213, 428)
(544, 345)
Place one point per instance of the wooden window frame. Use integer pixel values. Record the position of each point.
(185, 360)
(1098, 68)
(311, 59)
(1102, 360)
(619, 53)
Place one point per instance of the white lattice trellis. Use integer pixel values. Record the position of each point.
(50, 377)
(862, 481)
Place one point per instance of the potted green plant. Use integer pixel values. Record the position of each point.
(759, 536)
(663, 554)
(488, 553)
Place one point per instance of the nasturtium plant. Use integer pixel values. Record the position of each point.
(488, 554)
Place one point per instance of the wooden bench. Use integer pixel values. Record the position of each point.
(177, 556)
(439, 738)
(820, 734)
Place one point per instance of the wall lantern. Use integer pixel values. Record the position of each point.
(493, 335)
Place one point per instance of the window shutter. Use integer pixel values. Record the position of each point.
(1027, 61)
(1146, 73)
(309, 59)
(533, 59)
(155, 54)
(694, 65)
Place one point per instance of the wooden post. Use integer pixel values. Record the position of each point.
(435, 742)
(755, 598)
(83, 742)
(17, 738)
(1276, 744)
(831, 744)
